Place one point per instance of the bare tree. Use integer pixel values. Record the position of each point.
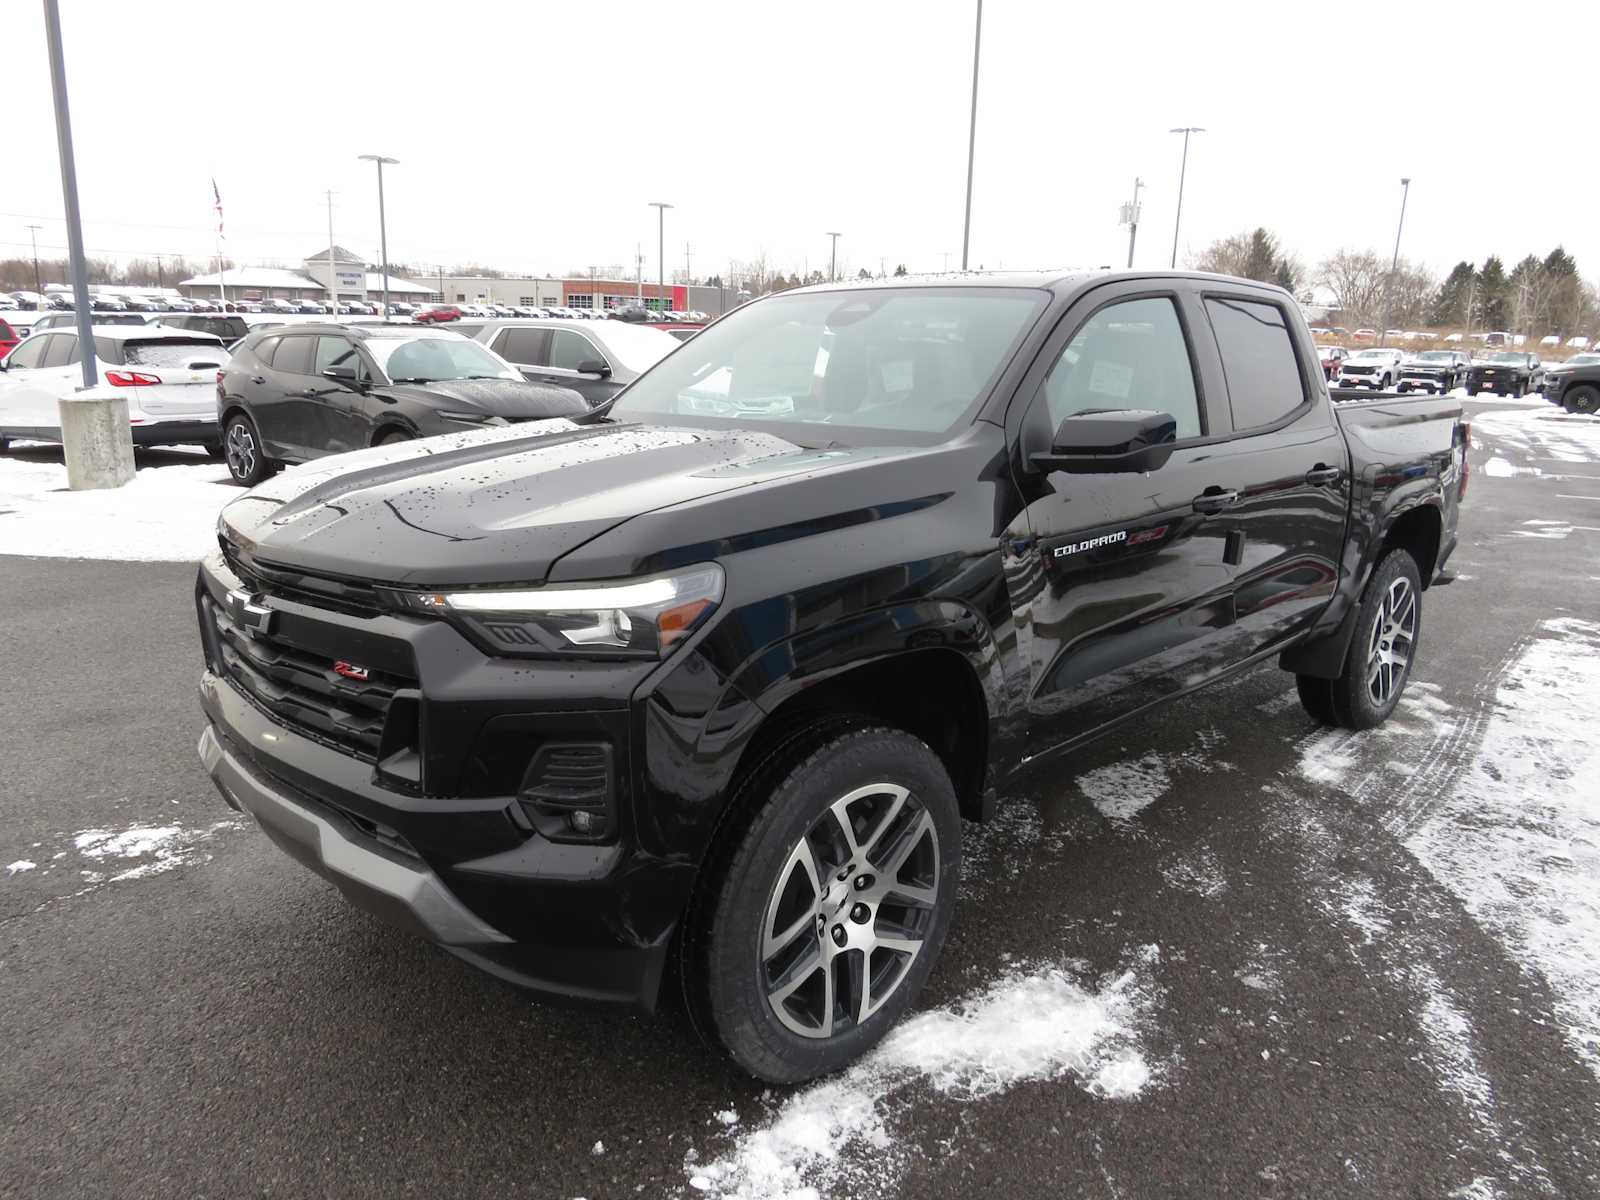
(1356, 278)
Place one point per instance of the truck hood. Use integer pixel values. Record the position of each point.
(496, 505)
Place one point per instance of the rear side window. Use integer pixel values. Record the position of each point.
(107, 351)
(1128, 355)
(526, 346)
(568, 350)
(175, 352)
(1264, 380)
(294, 355)
(265, 348)
(63, 350)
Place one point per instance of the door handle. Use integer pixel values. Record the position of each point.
(1322, 475)
(1215, 499)
(258, 379)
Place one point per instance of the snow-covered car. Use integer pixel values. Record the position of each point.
(1578, 343)
(1377, 367)
(279, 306)
(169, 377)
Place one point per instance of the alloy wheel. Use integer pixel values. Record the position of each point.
(240, 449)
(850, 911)
(1393, 640)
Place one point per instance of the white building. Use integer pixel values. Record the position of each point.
(310, 282)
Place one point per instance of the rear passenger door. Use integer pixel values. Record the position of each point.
(284, 407)
(1284, 458)
(526, 347)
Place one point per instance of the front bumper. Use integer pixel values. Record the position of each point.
(398, 890)
(1498, 385)
(1431, 383)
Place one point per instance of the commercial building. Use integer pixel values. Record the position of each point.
(310, 282)
(549, 291)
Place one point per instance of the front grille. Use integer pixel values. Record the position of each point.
(1357, 370)
(300, 688)
(353, 596)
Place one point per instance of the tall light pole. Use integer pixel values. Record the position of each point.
(1394, 263)
(972, 135)
(33, 236)
(69, 192)
(333, 290)
(833, 258)
(383, 232)
(661, 207)
(1183, 171)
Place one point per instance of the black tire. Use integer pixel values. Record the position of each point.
(214, 450)
(241, 450)
(1359, 701)
(392, 436)
(1316, 697)
(738, 976)
(1584, 399)
(5, 444)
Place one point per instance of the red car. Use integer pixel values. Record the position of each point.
(435, 313)
(9, 337)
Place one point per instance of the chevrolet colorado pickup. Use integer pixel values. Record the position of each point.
(708, 678)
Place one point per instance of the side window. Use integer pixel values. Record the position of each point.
(1258, 359)
(265, 349)
(568, 349)
(294, 355)
(63, 350)
(108, 351)
(1128, 355)
(334, 352)
(29, 354)
(525, 346)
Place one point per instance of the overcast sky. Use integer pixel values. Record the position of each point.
(533, 135)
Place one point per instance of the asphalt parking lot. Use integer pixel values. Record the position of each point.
(1345, 965)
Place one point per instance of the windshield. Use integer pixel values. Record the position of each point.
(1374, 354)
(907, 361)
(1505, 357)
(1583, 360)
(1435, 356)
(428, 360)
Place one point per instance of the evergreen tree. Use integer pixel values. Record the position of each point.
(1450, 304)
(863, 274)
(901, 270)
(1493, 292)
(1261, 258)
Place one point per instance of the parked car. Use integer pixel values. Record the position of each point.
(597, 360)
(1578, 343)
(433, 314)
(714, 681)
(279, 306)
(302, 392)
(1377, 367)
(1575, 384)
(399, 308)
(108, 304)
(1364, 335)
(1434, 371)
(8, 302)
(69, 320)
(312, 308)
(230, 328)
(10, 335)
(1505, 373)
(168, 377)
(1330, 357)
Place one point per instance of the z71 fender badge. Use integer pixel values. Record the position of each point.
(1109, 539)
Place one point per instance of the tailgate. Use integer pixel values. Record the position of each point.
(171, 377)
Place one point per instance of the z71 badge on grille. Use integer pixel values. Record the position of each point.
(349, 670)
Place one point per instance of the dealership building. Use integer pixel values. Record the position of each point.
(310, 281)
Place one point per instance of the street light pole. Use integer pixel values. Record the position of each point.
(33, 236)
(1394, 263)
(833, 258)
(972, 135)
(661, 207)
(383, 231)
(69, 193)
(1183, 172)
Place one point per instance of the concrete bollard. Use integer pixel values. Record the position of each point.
(96, 440)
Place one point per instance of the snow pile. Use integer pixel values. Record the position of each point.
(1518, 837)
(166, 514)
(1122, 790)
(1327, 757)
(1033, 1024)
(1543, 431)
(18, 867)
(157, 849)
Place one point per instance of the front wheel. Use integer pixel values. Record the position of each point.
(241, 449)
(825, 910)
(1583, 400)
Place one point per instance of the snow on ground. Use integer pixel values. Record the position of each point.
(114, 856)
(166, 514)
(1122, 790)
(1557, 436)
(1517, 839)
(1034, 1023)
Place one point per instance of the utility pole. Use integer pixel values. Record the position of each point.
(33, 236)
(1394, 264)
(161, 282)
(383, 233)
(441, 288)
(638, 266)
(688, 280)
(1472, 288)
(661, 207)
(1130, 218)
(333, 289)
(972, 135)
(1183, 172)
(69, 193)
(833, 258)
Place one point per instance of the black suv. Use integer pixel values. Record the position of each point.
(292, 394)
(232, 330)
(714, 678)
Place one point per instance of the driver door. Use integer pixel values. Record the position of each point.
(1120, 585)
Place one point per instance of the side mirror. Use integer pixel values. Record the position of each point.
(340, 373)
(1110, 441)
(593, 366)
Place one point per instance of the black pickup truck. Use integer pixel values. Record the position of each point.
(710, 679)
(1575, 384)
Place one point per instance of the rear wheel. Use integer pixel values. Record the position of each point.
(1388, 630)
(1584, 399)
(241, 449)
(822, 912)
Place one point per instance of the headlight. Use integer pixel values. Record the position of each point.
(474, 418)
(640, 618)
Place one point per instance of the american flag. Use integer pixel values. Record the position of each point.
(217, 206)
